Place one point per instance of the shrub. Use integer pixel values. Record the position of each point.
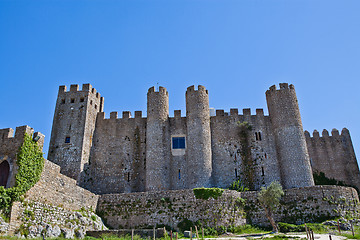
(206, 193)
(30, 163)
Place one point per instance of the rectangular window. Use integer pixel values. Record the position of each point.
(179, 174)
(62, 101)
(72, 100)
(258, 136)
(82, 99)
(67, 140)
(178, 142)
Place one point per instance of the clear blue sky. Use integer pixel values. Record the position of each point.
(237, 49)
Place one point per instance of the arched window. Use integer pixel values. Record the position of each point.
(4, 173)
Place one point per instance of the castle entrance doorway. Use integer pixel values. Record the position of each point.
(4, 173)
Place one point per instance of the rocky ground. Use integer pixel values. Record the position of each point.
(53, 221)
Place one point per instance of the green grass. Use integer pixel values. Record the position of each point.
(350, 236)
(246, 229)
(282, 237)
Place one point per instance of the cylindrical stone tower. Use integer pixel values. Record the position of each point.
(290, 140)
(198, 137)
(157, 140)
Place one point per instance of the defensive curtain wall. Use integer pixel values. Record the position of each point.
(134, 154)
(178, 207)
(53, 198)
(138, 155)
(55, 192)
(338, 149)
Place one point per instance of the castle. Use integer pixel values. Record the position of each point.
(139, 171)
(159, 152)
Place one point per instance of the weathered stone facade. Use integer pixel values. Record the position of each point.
(159, 152)
(56, 192)
(73, 128)
(147, 209)
(307, 204)
(338, 150)
(298, 205)
(10, 145)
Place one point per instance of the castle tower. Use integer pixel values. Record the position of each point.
(198, 137)
(157, 140)
(291, 146)
(73, 127)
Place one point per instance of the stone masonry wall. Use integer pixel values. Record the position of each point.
(199, 164)
(289, 136)
(53, 189)
(59, 190)
(73, 127)
(227, 159)
(9, 147)
(334, 155)
(117, 160)
(308, 204)
(146, 209)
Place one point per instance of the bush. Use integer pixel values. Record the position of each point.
(238, 185)
(206, 193)
(287, 227)
(30, 163)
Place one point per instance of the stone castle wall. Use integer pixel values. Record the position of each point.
(135, 154)
(9, 147)
(288, 131)
(56, 191)
(118, 156)
(157, 144)
(308, 204)
(59, 190)
(73, 127)
(298, 205)
(334, 155)
(146, 209)
(227, 149)
(198, 137)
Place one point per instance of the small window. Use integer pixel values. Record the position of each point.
(179, 174)
(258, 136)
(128, 177)
(236, 173)
(91, 102)
(178, 142)
(82, 99)
(72, 100)
(95, 106)
(262, 171)
(62, 101)
(67, 140)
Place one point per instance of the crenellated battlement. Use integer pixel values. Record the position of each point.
(161, 90)
(283, 86)
(125, 115)
(325, 133)
(177, 113)
(75, 88)
(199, 89)
(9, 135)
(235, 112)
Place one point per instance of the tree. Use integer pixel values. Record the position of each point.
(269, 198)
